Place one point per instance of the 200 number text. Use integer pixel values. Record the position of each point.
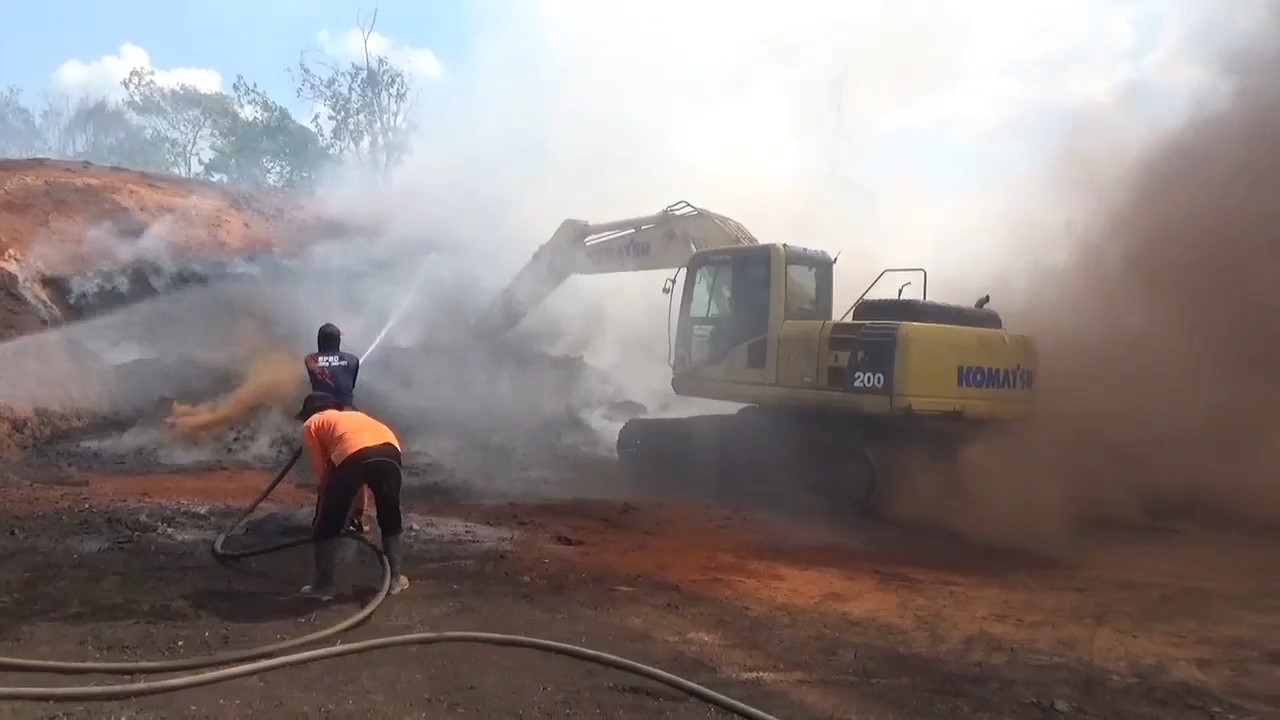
(873, 380)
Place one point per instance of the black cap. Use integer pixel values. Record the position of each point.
(317, 402)
(328, 338)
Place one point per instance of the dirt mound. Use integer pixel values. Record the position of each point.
(80, 240)
(58, 203)
(500, 416)
(77, 238)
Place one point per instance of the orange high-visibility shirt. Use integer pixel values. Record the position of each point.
(332, 436)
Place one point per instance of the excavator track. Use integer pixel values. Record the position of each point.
(758, 456)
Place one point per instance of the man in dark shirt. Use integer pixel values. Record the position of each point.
(333, 372)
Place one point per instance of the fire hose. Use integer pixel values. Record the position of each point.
(252, 661)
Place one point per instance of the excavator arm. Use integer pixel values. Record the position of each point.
(665, 240)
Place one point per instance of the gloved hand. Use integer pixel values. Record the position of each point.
(357, 525)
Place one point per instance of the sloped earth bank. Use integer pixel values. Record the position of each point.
(78, 238)
(867, 622)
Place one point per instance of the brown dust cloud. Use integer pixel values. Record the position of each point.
(1159, 347)
(273, 380)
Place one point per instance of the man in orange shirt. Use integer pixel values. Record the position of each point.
(350, 451)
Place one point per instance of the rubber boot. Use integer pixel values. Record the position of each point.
(391, 547)
(326, 560)
(348, 546)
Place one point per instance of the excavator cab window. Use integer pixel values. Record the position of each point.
(729, 305)
(808, 291)
(708, 310)
(711, 288)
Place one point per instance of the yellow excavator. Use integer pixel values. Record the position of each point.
(826, 401)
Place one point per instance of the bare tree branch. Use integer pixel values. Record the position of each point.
(364, 106)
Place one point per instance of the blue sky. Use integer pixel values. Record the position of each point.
(260, 39)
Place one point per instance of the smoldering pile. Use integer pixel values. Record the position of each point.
(209, 375)
(497, 413)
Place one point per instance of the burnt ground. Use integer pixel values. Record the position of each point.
(868, 620)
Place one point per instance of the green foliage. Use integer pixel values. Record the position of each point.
(100, 132)
(362, 108)
(19, 130)
(181, 121)
(260, 143)
(243, 138)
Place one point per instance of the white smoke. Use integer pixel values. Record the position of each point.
(891, 133)
(898, 133)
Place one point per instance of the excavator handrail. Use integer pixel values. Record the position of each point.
(735, 228)
(681, 209)
(924, 288)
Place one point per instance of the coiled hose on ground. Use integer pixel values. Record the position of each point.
(251, 661)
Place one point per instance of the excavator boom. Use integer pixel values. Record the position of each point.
(665, 240)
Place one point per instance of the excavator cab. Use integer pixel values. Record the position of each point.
(735, 302)
(755, 327)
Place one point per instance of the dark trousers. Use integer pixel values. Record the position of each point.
(377, 467)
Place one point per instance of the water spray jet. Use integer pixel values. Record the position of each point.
(419, 278)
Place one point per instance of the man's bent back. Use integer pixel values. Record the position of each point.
(335, 435)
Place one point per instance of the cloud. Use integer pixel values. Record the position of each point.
(421, 64)
(102, 77)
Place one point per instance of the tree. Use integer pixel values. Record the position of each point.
(53, 123)
(182, 121)
(98, 131)
(363, 107)
(260, 143)
(19, 131)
